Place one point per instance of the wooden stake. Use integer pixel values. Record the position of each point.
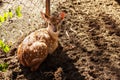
(48, 7)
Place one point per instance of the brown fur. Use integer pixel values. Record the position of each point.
(36, 46)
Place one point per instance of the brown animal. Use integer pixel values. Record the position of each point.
(36, 46)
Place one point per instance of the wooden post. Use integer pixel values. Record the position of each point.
(48, 7)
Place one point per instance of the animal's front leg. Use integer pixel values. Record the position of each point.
(35, 64)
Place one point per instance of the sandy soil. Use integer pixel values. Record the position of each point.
(89, 44)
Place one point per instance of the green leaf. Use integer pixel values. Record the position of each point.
(6, 49)
(1, 43)
(10, 14)
(2, 19)
(3, 66)
(19, 15)
(18, 11)
(5, 16)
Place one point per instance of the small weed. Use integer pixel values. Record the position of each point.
(4, 47)
(3, 67)
(9, 14)
(18, 11)
(5, 16)
(2, 19)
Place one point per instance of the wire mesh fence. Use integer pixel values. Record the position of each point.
(15, 28)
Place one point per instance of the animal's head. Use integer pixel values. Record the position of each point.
(54, 20)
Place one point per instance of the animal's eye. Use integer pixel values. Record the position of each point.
(50, 24)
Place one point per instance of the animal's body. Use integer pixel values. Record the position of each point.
(36, 46)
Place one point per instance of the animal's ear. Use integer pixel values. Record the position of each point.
(62, 15)
(45, 17)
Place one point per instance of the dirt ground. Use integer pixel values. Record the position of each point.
(89, 40)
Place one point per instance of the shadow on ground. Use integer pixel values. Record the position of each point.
(56, 67)
(118, 1)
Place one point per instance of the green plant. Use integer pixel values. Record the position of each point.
(10, 13)
(3, 66)
(4, 47)
(18, 11)
(2, 19)
(5, 16)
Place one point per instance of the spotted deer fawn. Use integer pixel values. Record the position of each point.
(36, 46)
